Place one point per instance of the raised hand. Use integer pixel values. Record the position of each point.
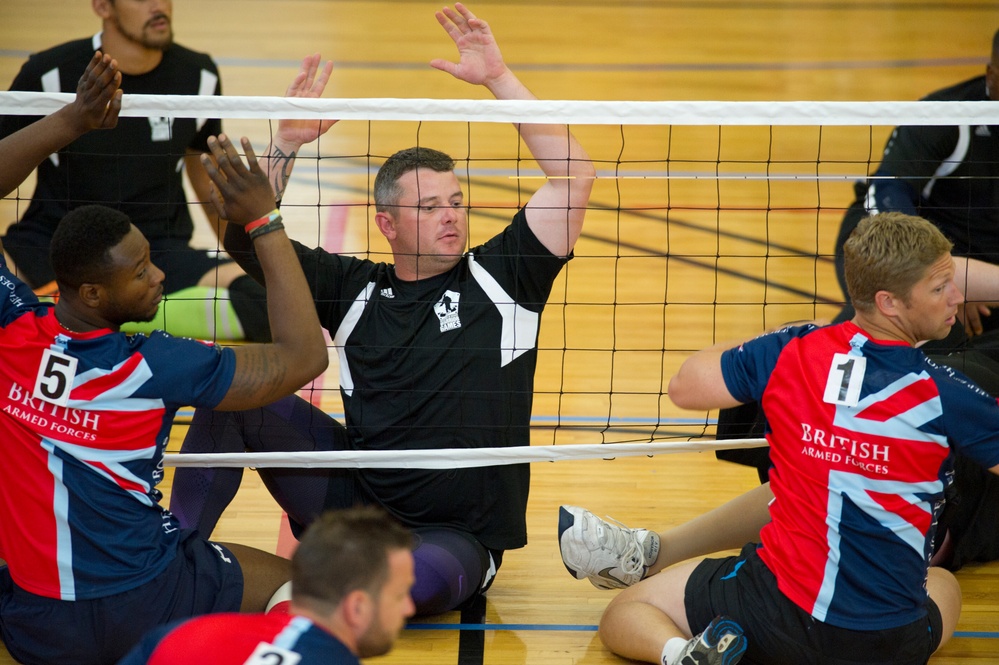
(480, 61)
(96, 106)
(240, 194)
(98, 95)
(309, 83)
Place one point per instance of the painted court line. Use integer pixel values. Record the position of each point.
(559, 627)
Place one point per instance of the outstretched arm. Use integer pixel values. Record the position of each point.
(555, 212)
(266, 372)
(700, 385)
(96, 106)
(291, 135)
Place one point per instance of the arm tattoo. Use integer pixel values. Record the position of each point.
(280, 170)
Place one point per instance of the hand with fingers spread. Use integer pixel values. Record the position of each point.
(96, 106)
(292, 134)
(480, 61)
(98, 96)
(556, 210)
(241, 192)
(308, 84)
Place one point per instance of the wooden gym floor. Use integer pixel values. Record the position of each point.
(733, 269)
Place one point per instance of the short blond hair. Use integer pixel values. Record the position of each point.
(890, 251)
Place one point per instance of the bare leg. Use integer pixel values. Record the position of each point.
(946, 593)
(727, 527)
(641, 619)
(263, 574)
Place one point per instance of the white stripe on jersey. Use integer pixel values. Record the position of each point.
(206, 87)
(901, 426)
(950, 164)
(288, 638)
(64, 537)
(520, 325)
(343, 332)
(118, 397)
(50, 83)
(858, 489)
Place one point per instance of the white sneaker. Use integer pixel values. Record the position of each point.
(721, 643)
(610, 556)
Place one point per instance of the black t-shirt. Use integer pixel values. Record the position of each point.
(443, 362)
(952, 173)
(135, 167)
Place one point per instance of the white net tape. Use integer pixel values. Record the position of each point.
(535, 111)
(451, 458)
(704, 113)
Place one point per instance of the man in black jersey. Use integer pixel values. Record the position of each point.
(437, 350)
(948, 175)
(138, 168)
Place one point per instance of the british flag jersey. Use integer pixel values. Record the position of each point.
(860, 434)
(84, 421)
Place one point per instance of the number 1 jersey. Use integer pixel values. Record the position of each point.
(860, 434)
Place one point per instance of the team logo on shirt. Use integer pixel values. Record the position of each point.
(447, 311)
(162, 128)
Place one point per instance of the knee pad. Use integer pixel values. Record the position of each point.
(451, 567)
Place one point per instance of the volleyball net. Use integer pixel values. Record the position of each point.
(708, 221)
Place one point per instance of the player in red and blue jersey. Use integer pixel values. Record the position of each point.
(862, 429)
(93, 560)
(351, 580)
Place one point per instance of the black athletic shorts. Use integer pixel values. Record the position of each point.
(779, 632)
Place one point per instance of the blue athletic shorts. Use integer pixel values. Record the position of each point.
(41, 631)
(778, 631)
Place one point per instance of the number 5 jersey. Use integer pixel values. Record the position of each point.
(84, 419)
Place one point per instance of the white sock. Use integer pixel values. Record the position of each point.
(281, 595)
(671, 651)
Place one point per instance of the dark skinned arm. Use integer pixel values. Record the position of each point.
(297, 354)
